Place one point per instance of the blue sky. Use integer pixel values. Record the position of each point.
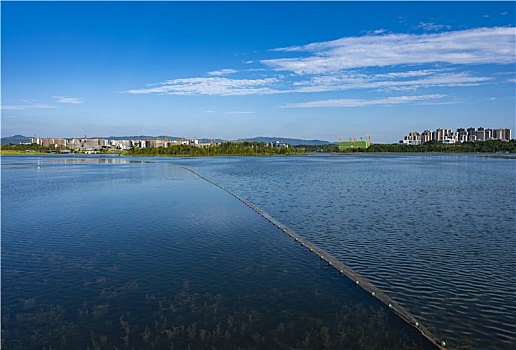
(311, 70)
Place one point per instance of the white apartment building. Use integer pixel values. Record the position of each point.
(460, 135)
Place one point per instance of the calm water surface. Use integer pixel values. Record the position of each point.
(103, 253)
(435, 232)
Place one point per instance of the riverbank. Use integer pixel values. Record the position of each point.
(20, 153)
(263, 149)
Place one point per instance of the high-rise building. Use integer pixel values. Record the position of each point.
(426, 136)
(499, 134)
(461, 135)
(480, 134)
(51, 142)
(472, 134)
(508, 134)
(488, 134)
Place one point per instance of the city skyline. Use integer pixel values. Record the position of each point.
(457, 136)
(234, 70)
(444, 135)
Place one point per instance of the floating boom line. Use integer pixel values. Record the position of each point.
(342, 268)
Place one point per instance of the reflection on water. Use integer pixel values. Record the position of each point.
(144, 254)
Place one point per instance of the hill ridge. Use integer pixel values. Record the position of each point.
(16, 139)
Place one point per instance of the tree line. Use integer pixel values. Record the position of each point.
(223, 149)
(263, 149)
(28, 147)
(490, 146)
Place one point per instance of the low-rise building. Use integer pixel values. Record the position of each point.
(413, 138)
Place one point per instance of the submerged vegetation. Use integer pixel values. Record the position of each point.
(189, 320)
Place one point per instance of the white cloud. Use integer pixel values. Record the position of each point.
(26, 105)
(212, 86)
(339, 81)
(473, 46)
(430, 26)
(12, 107)
(66, 99)
(409, 80)
(500, 98)
(223, 72)
(34, 104)
(380, 31)
(377, 61)
(240, 112)
(361, 103)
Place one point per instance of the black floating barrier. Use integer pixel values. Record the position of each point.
(373, 291)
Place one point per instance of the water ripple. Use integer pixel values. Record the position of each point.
(435, 232)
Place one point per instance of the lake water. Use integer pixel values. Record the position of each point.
(435, 232)
(139, 253)
(124, 252)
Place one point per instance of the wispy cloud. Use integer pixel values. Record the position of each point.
(221, 72)
(500, 98)
(66, 99)
(361, 102)
(34, 104)
(402, 80)
(378, 61)
(240, 112)
(473, 46)
(409, 80)
(212, 86)
(25, 104)
(430, 26)
(11, 107)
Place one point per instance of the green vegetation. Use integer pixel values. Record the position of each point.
(329, 148)
(263, 149)
(26, 148)
(347, 145)
(34, 148)
(223, 149)
(491, 146)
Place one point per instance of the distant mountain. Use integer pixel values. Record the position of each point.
(293, 142)
(15, 140)
(140, 137)
(161, 137)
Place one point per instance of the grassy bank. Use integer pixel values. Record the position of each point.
(20, 153)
